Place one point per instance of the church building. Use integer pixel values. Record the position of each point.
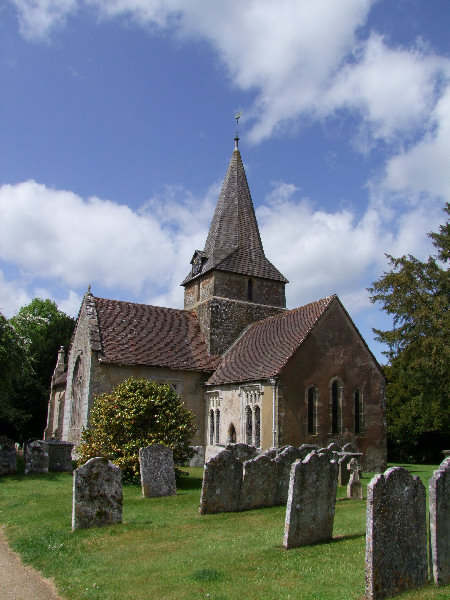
(249, 369)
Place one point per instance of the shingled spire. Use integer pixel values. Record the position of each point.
(234, 243)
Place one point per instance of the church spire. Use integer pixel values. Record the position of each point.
(234, 243)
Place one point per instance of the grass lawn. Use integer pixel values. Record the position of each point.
(165, 550)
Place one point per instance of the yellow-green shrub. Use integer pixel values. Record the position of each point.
(135, 414)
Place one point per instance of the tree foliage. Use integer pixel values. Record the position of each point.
(136, 414)
(416, 294)
(35, 335)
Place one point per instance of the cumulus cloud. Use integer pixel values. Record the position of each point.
(37, 18)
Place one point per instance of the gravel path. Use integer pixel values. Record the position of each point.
(19, 582)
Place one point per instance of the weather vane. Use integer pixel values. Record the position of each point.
(237, 116)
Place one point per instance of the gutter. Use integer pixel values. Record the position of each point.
(274, 382)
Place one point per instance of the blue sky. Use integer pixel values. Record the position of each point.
(117, 126)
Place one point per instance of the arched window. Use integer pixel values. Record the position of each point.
(335, 408)
(250, 290)
(217, 425)
(257, 426)
(231, 434)
(248, 425)
(359, 412)
(312, 410)
(211, 427)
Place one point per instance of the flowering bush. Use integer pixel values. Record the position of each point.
(136, 414)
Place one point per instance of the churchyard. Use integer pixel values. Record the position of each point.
(165, 549)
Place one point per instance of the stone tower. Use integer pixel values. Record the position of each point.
(231, 283)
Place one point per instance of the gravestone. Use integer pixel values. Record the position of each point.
(59, 455)
(36, 458)
(349, 447)
(242, 451)
(259, 483)
(311, 502)
(284, 461)
(354, 487)
(270, 453)
(198, 457)
(439, 501)
(97, 494)
(306, 449)
(396, 534)
(221, 486)
(157, 471)
(8, 456)
(343, 461)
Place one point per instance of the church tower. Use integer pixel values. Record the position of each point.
(231, 283)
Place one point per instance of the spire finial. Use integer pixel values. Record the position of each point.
(237, 116)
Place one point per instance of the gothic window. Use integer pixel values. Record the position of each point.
(217, 425)
(335, 408)
(77, 392)
(257, 426)
(248, 425)
(312, 410)
(231, 434)
(211, 427)
(358, 412)
(250, 290)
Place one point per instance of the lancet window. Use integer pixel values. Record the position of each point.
(251, 398)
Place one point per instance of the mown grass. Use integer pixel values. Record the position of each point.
(165, 550)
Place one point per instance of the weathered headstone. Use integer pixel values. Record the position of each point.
(396, 535)
(284, 461)
(59, 455)
(354, 487)
(157, 471)
(270, 452)
(334, 447)
(306, 449)
(439, 500)
(97, 494)
(8, 456)
(311, 502)
(343, 460)
(349, 447)
(242, 451)
(259, 483)
(198, 457)
(221, 486)
(36, 458)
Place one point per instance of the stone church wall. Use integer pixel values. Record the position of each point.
(333, 351)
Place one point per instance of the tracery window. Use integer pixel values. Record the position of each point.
(214, 401)
(251, 398)
(211, 427)
(248, 425)
(257, 416)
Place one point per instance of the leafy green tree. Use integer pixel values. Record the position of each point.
(14, 367)
(417, 294)
(42, 329)
(136, 414)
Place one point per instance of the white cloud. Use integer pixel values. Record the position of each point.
(13, 295)
(38, 17)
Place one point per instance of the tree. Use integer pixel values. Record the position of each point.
(417, 294)
(136, 414)
(41, 329)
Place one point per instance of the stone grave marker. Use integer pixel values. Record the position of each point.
(8, 456)
(349, 447)
(36, 458)
(59, 455)
(198, 457)
(221, 486)
(284, 461)
(242, 451)
(439, 502)
(259, 483)
(396, 535)
(157, 471)
(97, 494)
(354, 486)
(311, 502)
(344, 459)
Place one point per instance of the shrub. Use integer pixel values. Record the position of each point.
(136, 414)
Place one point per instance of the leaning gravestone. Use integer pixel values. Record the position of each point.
(396, 535)
(284, 461)
(311, 501)
(259, 481)
(97, 494)
(221, 487)
(36, 458)
(439, 496)
(157, 471)
(8, 456)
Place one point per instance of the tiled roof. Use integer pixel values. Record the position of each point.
(233, 242)
(139, 334)
(266, 346)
